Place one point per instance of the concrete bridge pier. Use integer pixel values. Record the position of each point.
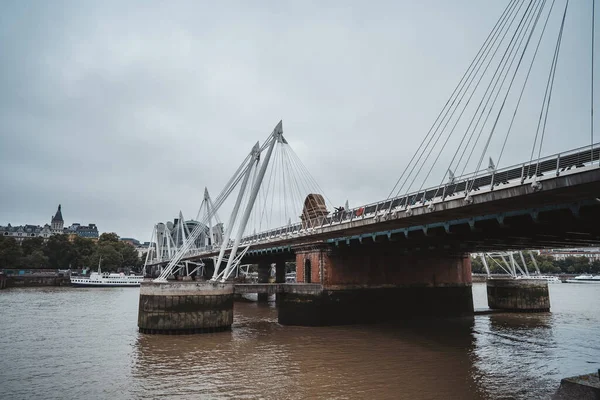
(518, 295)
(376, 283)
(279, 276)
(280, 270)
(184, 307)
(264, 268)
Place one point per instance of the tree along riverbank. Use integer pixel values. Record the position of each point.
(60, 253)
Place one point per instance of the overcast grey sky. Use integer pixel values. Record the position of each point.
(124, 111)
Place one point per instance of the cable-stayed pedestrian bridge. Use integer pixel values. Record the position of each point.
(409, 253)
(501, 107)
(567, 180)
(560, 183)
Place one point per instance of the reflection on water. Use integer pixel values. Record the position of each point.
(76, 343)
(514, 352)
(526, 355)
(421, 360)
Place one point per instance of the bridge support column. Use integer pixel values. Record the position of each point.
(519, 295)
(185, 307)
(279, 276)
(376, 283)
(280, 271)
(264, 268)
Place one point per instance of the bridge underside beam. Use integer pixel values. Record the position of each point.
(572, 194)
(554, 228)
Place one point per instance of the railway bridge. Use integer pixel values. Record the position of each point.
(407, 254)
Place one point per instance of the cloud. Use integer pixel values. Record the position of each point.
(125, 112)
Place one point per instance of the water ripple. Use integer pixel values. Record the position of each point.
(65, 343)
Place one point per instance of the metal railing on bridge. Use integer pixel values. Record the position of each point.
(479, 181)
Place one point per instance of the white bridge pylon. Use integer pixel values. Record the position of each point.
(252, 167)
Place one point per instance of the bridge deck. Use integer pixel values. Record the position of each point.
(562, 187)
(557, 190)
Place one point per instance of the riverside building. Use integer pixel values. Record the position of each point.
(56, 227)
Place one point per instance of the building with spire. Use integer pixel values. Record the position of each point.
(57, 223)
(56, 227)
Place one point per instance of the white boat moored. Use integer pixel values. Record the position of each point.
(547, 278)
(99, 279)
(107, 280)
(584, 279)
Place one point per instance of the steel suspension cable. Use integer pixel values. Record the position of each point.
(306, 183)
(592, 94)
(549, 87)
(470, 97)
(307, 173)
(221, 198)
(298, 196)
(287, 186)
(285, 214)
(482, 60)
(290, 179)
(525, 82)
(499, 90)
(444, 145)
(490, 90)
(266, 196)
(461, 142)
(273, 197)
(196, 231)
(507, 92)
(507, 66)
(294, 167)
(230, 186)
(498, 68)
(457, 151)
(539, 13)
(293, 177)
(247, 195)
(506, 11)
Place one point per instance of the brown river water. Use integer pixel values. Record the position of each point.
(72, 343)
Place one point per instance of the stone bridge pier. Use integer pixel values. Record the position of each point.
(376, 282)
